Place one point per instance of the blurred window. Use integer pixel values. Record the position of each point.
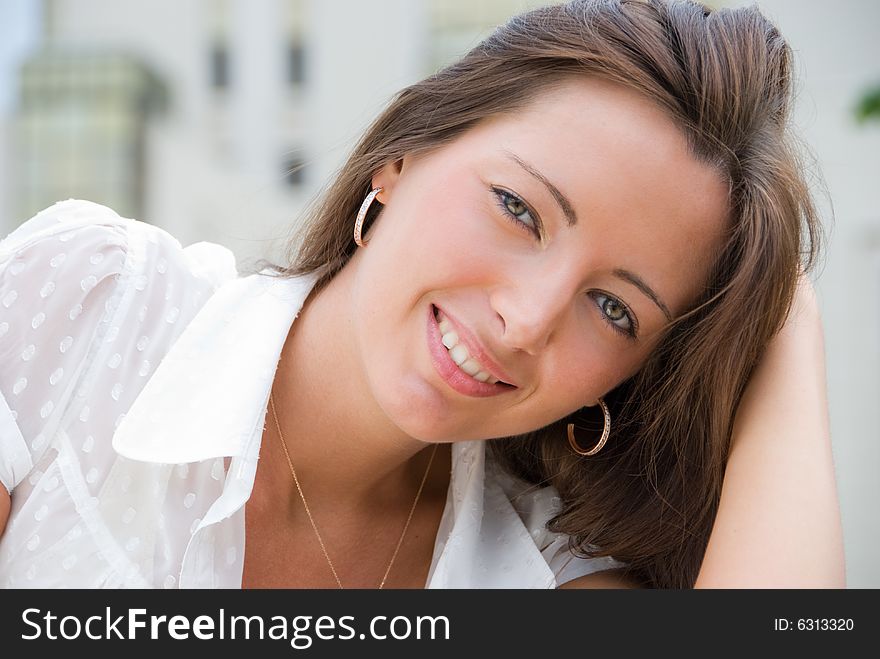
(296, 70)
(294, 170)
(219, 66)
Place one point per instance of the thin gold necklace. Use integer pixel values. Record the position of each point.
(309, 512)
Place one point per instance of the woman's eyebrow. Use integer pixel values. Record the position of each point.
(561, 199)
(639, 283)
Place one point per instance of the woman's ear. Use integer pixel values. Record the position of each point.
(386, 178)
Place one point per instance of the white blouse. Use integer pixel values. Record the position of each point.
(130, 367)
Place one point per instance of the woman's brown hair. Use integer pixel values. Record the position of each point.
(649, 498)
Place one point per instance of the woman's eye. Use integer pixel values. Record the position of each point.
(616, 314)
(517, 211)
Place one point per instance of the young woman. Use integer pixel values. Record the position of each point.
(549, 326)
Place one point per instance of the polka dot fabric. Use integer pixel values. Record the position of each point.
(91, 302)
(134, 381)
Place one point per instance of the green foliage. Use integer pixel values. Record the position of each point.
(868, 107)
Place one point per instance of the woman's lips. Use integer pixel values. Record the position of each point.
(451, 373)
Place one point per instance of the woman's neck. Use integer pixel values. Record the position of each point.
(347, 454)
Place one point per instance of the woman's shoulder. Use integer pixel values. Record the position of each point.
(61, 217)
(75, 228)
(90, 303)
(91, 261)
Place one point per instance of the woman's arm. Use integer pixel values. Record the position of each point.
(778, 522)
(5, 504)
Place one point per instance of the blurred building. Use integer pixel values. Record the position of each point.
(217, 119)
(81, 127)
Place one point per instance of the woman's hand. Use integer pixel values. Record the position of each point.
(778, 522)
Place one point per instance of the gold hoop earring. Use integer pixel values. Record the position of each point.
(362, 213)
(605, 432)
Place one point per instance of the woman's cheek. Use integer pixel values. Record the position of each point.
(591, 369)
(466, 252)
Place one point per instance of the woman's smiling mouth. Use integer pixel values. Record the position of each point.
(467, 370)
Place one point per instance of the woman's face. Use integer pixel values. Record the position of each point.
(557, 242)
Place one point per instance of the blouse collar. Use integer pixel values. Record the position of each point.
(224, 362)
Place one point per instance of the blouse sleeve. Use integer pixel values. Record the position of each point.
(59, 275)
(536, 506)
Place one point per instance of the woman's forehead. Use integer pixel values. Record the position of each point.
(588, 117)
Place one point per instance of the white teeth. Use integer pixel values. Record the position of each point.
(450, 339)
(471, 367)
(460, 354)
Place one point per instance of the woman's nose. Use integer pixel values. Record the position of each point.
(530, 315)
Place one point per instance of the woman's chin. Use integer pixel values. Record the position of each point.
(419, 410)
